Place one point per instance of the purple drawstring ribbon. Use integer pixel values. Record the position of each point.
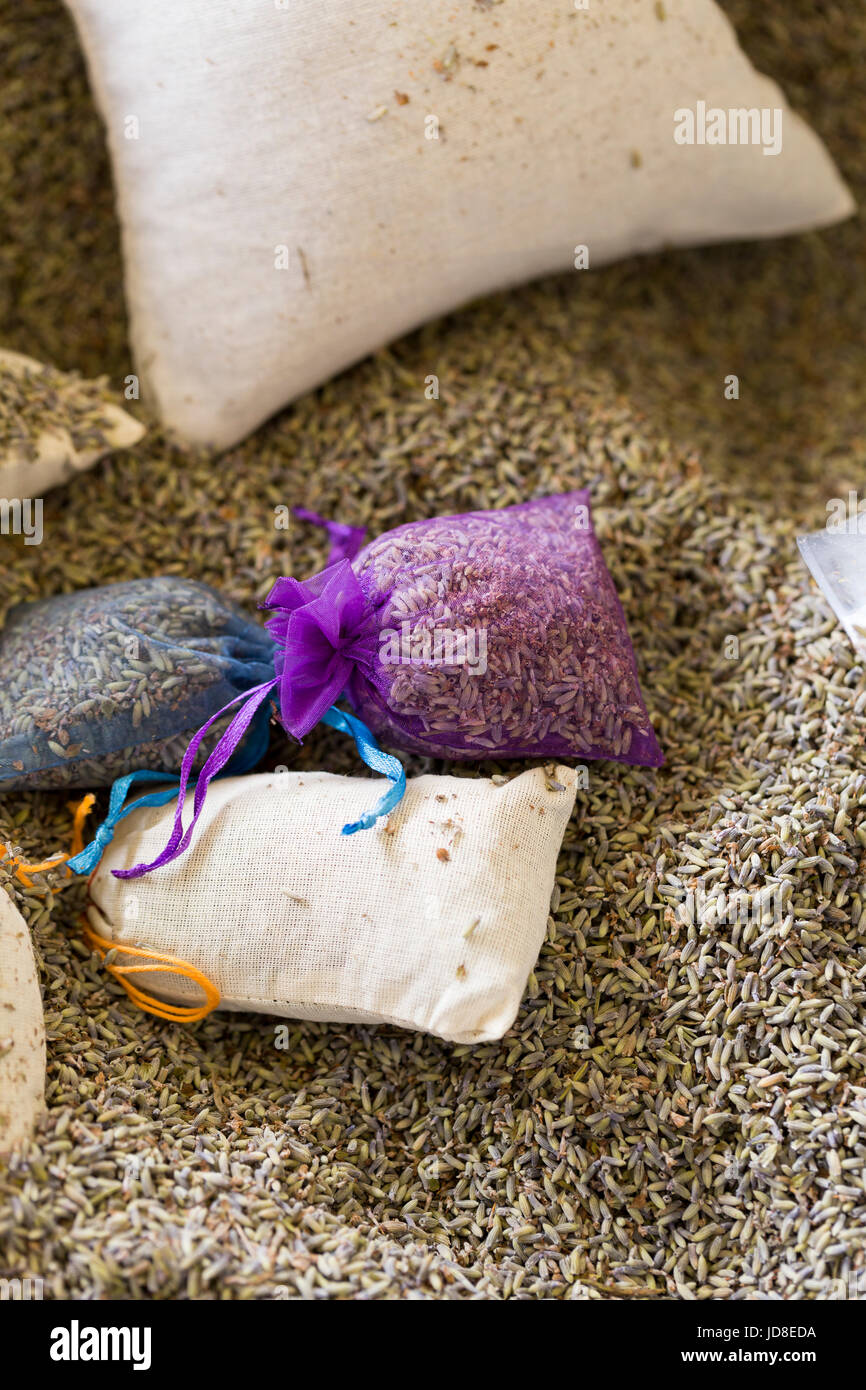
(345, 540)
(323, 628)
(179, 839)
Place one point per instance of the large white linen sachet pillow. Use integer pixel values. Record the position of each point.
(432, 920)
(300, 183)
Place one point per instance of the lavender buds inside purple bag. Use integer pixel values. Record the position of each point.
(482, 635)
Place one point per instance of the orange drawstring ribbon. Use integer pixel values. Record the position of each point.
(23, 871)
(160, 963)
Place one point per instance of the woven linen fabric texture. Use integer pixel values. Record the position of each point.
(22, 1040)
(432, 922)
(300, 183)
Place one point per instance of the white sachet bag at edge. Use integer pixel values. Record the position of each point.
(431, 921)
(70, 407)
(22, 1030)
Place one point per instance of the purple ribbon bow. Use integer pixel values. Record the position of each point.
(322, 627)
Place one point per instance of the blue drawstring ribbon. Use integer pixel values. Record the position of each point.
(369, 750)
(373, 756)
(87, 860)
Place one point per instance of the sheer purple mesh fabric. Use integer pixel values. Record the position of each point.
(501, 634)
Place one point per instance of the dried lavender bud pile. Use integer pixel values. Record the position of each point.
(668, 1115)
(100, 682)
(679, 1109)
(507, 638)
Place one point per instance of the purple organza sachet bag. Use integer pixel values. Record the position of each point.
(484, 635)
(493, 634)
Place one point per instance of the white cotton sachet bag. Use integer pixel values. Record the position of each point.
(22, 1030)
(54, 424)
(431, 920)
(299, 183)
